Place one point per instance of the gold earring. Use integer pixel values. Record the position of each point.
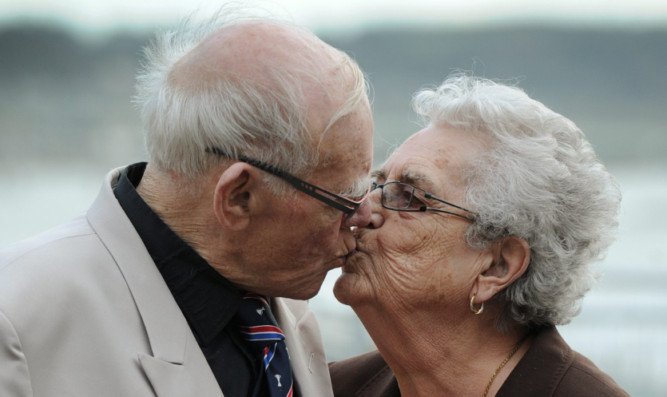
(472, 305)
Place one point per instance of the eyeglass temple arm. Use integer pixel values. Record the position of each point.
(302, 185)
(299, 184)
(425, 208)
(430, 196)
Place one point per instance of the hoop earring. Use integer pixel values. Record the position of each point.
(472, 305)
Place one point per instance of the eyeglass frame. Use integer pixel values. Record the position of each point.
(375, 185)
(299, 184)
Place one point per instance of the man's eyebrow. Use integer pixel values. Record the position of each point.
(359, 188)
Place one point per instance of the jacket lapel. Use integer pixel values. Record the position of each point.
(176, 367)
(304, 343)
(167, 379)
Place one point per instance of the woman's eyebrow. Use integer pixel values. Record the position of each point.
(418, 180)
(378, 174)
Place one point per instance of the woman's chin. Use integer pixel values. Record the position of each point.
(345, 289)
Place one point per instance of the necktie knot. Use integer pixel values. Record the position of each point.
(257, 333)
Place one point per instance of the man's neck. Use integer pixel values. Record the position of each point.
(186, 210)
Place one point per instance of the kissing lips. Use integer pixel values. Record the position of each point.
(349, 260)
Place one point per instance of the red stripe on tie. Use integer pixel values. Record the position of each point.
(255, 296)
(262, 328)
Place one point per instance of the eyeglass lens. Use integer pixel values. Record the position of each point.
(400, 196)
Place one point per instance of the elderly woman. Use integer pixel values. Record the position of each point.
(484, 226)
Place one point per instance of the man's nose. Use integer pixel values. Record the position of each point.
(361, 217)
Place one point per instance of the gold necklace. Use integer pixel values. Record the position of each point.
(493, 377)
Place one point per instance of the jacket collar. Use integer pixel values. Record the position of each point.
(176, 365)
(551, 355)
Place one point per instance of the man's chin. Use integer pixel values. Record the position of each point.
(304, 291)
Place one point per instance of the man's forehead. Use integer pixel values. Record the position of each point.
(348, 146)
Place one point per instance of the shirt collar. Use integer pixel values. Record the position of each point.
(206, 298)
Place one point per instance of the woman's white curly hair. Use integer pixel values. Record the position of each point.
(540, 181)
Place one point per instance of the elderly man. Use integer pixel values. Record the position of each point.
(187, 275)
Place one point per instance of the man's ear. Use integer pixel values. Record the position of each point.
(235, 195)
(511, 259)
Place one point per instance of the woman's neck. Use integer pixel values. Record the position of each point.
(432, 354)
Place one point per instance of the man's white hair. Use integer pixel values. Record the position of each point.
(237, 116)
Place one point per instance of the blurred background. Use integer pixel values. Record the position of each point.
(67, 74)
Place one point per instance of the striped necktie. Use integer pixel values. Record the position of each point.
(267, 341)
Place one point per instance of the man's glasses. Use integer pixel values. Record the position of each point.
(346, 205)
(400, 196)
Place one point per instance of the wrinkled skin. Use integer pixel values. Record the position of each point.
(407, 261)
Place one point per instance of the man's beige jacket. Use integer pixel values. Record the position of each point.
(85, 312)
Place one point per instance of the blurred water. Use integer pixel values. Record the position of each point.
(622, 327)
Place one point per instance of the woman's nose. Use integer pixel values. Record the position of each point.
(368, 214)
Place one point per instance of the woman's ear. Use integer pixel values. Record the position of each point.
(234, 196)
(512, 256)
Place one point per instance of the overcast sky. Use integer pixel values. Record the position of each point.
(103, 15)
